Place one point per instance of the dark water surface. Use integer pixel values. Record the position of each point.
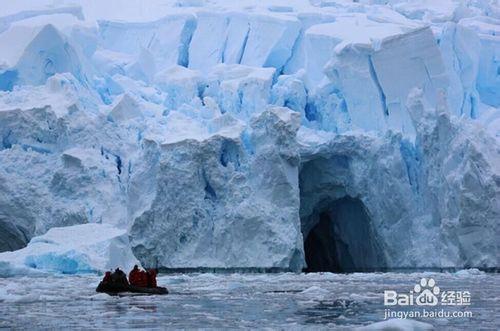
(277, 301)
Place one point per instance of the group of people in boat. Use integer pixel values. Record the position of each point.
(139, 281)
(136, 277)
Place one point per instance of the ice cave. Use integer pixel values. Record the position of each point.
(341, 239)
(338, 232)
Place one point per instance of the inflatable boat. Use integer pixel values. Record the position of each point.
(118, 289)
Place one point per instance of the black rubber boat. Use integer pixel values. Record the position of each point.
(117, 289)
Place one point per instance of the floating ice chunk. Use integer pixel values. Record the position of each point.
(473, 272)
(315, 292)
(99, 297)
(70, 262)
(20, 298)
(72, 249)
(398, 325)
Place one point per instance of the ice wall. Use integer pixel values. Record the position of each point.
(487, 29)
(222, 200)
(217, 135)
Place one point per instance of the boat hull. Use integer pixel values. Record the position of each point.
(116, 289)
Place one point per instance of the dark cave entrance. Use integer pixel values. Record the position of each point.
(320, 254)
(337, 228)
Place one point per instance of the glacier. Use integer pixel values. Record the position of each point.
(316, 135)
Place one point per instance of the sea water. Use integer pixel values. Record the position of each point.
(283, 301)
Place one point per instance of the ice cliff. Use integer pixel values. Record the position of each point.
(328, 135)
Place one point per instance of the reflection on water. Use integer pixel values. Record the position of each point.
(237, 300)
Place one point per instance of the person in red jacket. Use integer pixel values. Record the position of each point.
(134, 276)
(138, 277)
(143, 279)
(152, 278)
(107, 277)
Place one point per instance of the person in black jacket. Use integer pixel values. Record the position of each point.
(119, 278)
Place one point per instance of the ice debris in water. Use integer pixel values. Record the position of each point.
(397, 324)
